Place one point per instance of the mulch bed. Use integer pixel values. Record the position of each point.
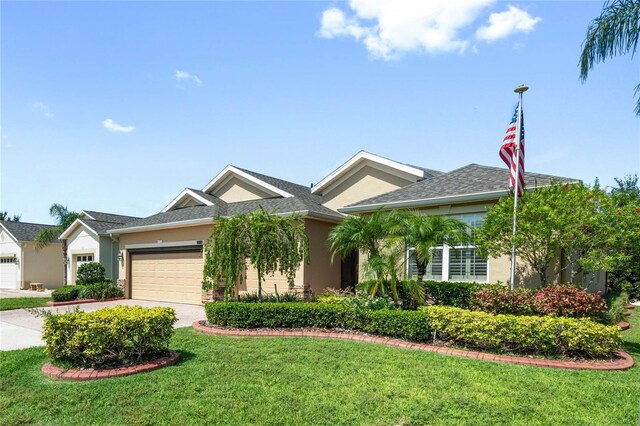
(79, 301)
(622, 361)
(94, 374)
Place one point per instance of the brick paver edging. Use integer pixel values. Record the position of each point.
(79, 301)
(623, 362)
(624, 325)
(91, 374)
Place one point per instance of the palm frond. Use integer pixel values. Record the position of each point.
(47, 236)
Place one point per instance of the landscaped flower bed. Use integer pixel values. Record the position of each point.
(110, 337)
(548, 336)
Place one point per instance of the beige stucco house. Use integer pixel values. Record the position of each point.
(88, 240)
(162, 255)
(22, 264)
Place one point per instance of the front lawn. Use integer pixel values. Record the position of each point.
(23, 302)
(273, 381)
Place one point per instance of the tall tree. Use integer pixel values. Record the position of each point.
(64, 218)
(615, 32)
(269, 242)
(5, 216)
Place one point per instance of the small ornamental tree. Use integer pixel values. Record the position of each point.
(551, 219)
(90, 273)
(269, 242)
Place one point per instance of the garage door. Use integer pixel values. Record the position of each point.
(8, 272)
(167, 277)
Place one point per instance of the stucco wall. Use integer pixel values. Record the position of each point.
(320, 273)
(81, 241)
(236, 190)
(365, 183)
(109, 257)
(44, 266)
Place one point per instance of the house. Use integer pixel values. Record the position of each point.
(162, 255)
(21, 263)
(466, 194)
(88, 241)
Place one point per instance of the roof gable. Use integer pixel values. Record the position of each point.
(362, 159)
(189, 198)
(468, 183)
(24, 231)
(230, 172)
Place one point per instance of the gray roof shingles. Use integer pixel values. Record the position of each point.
(302, 200)
(110, 217)
(24, 231)
(470, 179)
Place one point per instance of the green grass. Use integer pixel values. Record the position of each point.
(297, 381)
(23, 302)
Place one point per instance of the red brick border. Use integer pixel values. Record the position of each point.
(624, 325)
(624, 361)
(92, 374)
(79, 301)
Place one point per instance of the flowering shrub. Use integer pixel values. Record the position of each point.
(501, 300)
(561, 301)
(566, 301)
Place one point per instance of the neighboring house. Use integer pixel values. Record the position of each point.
(21, 263)
(162, 255)
(466, 194)
(88, 241)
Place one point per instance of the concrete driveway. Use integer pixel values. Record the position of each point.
(20, 329)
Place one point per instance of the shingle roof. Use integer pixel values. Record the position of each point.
(302, 201)
(110, 217)
(470, 179)
(24, 231)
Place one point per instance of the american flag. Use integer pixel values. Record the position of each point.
(508, 152)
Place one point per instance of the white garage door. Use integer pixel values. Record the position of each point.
(8, 272)
(167, 277)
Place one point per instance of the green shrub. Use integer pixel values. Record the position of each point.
(100, 291)
(452, 294)
(616, 303)
(358, 300)
(90, 273)
(66, 293)
(121, 335)
(272, 298)
(524, 334)
(530, 334)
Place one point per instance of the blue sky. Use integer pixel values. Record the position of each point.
(291, 89)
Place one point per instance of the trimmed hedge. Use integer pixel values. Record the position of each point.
(100, 291)
(542, 335)
(116, 336)
(90, 273)
(530, 334)
(454, 294)
(66, 293)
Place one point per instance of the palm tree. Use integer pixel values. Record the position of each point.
(360, 233)
(64, 218)
(614, 32)
(425, 232)
(5, 216)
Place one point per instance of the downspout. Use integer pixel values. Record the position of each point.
(21, 265)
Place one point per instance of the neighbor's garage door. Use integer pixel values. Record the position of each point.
(8, 272)
(167, 277)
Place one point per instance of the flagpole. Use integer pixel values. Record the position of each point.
(519, 90)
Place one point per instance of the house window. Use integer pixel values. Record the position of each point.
(7, 260)
(454, 263)
(434, 267)
(466, 265)
(84, 258)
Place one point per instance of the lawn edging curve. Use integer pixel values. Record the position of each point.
(92, 374)
(623, 362)
(81, 301)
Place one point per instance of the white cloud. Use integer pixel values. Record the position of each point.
(112, 126)
(183, 75)
(390, 28)
(503, 24)
(42, 108)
